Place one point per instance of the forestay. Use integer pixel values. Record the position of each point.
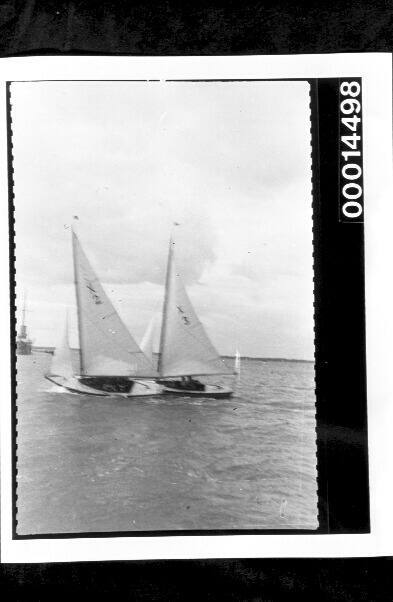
(107, 347)
(185, 348)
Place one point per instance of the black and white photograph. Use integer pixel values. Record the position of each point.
(197, 309)
(164, 306)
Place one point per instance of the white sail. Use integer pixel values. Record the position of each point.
(237, 362)
(61, 360)
(147, 343)
(185, 348)
(106, 346)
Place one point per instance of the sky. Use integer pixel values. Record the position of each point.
(229, 161)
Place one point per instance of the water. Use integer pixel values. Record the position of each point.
(90, 464)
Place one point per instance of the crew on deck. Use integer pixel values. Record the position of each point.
(189, 383)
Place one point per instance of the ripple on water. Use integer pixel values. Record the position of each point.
(96, 464)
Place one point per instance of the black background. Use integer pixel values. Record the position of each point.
(186, 28)
(153, 27)
(339, 331)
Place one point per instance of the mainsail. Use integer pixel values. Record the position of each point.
(61, 360)
(185, 348)
(106, 346)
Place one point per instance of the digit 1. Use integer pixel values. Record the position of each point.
(347, 154)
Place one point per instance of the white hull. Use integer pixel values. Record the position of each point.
(215, 391)
(141, 388)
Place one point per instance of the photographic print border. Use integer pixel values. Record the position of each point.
(341, 428)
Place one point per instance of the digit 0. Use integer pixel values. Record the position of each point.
(352, 209)
(350, 89)
(352, 186)
(354, 168)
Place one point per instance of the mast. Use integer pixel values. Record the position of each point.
(78, 301)
(107, 348)
(23, 330)
(185, 348)
(165, 307)
(24, 309)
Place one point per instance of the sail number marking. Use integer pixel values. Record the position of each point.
(93, 292)
(351, 172)
(183, 317)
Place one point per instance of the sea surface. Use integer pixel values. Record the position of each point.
(90, 464)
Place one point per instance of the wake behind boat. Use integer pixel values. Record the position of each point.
(110, 361)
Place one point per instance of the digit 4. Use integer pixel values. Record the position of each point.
(351, 141)
(351, 122)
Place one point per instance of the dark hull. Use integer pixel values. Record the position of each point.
(74, 385)
(211, 391)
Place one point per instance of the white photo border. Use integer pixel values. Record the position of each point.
(376, 73)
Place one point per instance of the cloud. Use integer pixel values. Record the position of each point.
(137, 248)
(229, 161)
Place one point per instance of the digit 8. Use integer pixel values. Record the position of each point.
(346, 89)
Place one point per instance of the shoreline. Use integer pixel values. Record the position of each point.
(50, 350)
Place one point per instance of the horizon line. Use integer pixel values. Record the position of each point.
(225, 356)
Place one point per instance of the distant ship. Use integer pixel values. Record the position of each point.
(24, 345)
(112, 363)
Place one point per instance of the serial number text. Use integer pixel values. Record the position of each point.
(351, 180)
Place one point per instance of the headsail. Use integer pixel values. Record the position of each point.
(107, 347)
(237, 362)
(61, 360)
(185, 348)
(147, 343)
